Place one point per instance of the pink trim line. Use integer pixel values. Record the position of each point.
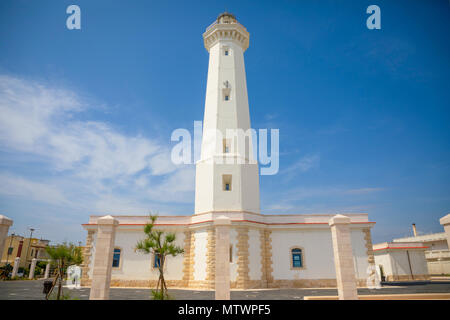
(187, 224)
(400, 248)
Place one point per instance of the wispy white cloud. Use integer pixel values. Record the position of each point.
(12, 185)
(304, 164)
(363, 190)
(336, 199)
(89, 160)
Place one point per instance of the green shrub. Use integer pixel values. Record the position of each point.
(158, 295)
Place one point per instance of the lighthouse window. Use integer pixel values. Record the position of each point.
(226, 179)
(227, 97)
(226, 145)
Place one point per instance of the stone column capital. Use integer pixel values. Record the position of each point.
(445, 220)
(222, 221)
(107, 221)
(5, 221)
(339, 219)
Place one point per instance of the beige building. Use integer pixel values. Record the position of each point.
(18, 246)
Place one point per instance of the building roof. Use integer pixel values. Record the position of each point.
(273, 221)
(399, 246)
(423, 238)
(226, 14)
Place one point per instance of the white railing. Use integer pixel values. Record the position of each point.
(215, 22)
(437, 254)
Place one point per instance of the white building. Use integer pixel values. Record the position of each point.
(266, 250)
(437, 253)
(401, 261)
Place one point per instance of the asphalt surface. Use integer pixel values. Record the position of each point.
(32, 290)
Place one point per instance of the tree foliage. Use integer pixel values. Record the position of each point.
(161, 244)
(5, 271)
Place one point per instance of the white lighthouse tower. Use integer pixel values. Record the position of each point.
(227, 177)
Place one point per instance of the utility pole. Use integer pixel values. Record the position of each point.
(28, 248)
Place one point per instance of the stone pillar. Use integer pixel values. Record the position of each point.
(32, 268)
(445, 221)
(47, 271)
(222, 273)
(15, 267)
(5, 223)
(343, 257)
(104, 250)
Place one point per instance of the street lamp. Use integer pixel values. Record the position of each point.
(29, 245)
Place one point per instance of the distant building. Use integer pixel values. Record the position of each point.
(437, 254)
(401, 261)
(18, 246)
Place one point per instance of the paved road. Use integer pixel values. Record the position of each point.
(32, 290)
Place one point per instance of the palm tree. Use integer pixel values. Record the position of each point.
(161, 245)
(63, 255)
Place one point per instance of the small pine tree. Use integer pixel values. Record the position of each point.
(161, 244)
(63, 255)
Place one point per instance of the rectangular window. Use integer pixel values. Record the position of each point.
(226, 180)
(226, 145)
(297, 258)
(226, 52)
(116, 258)
(10, 250)
(227, 97)
(297, 261)
(156, 261)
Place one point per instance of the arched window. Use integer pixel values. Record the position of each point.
(297, 258)
(116, 258)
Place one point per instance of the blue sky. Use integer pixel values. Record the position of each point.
(86, 115)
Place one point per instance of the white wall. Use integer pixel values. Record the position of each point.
(359, 253)
(201, 241)
(318, 254)
(139, 266)
(384, 260)
(316, 243)
(395, 262)
(439, 267)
